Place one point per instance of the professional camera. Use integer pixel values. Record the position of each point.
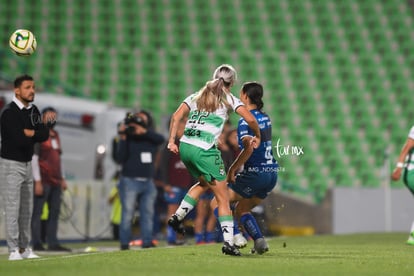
(132, 118)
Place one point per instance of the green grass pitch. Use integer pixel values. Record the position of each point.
(357, 254)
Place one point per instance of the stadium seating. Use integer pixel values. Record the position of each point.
(337, 74)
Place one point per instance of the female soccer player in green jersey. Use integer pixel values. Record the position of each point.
(207, 110)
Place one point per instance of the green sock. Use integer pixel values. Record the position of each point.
(227, 225)
(187, 204)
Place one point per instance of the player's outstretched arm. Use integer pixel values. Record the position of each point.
(396, 174)
(179, 114)
(251, 121)
(243, 156)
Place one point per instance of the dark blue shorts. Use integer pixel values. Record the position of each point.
(207, 195)
(175, 196)
(257, 183)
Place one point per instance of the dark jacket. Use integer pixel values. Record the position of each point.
(137, 154)
(15, 145)
(50, 165)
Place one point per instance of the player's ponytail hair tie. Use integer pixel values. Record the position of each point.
(226, 84)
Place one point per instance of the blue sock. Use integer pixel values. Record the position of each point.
(250, 224)
(236, 227)
(199, 237)
(210, 237)
(219, 236)
(171, 235)
(216, 212)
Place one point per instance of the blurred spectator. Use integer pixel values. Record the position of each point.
(116, 211)
(48, 185)
(205, 221)
(136, 150)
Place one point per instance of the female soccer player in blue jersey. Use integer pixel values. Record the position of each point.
(259, 175)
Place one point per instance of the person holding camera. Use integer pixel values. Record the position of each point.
(135, 152)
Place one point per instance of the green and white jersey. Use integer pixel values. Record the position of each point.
(203, 128)
(410, 157)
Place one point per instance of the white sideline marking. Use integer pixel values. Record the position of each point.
(66, 256)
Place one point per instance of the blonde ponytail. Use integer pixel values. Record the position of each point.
(212, 96)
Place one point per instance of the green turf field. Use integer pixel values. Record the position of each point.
(359, 254)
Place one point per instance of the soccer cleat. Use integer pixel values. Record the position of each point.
(410, 241)
(15, 256)
(228, 249)
(260, 246)
(38, 247)
(239, 240)
(176, 243)
(177, 225)
(28, 254)
(58, 247)
(148, 245)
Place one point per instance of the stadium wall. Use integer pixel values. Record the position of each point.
(85, 213)
(371, 210)
(343, 211)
